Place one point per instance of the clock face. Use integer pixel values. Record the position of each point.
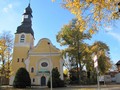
(25, 16)
(44, 64)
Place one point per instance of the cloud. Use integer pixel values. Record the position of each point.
(7, 8)
(10, 6)
(108, 28)
(115, 35)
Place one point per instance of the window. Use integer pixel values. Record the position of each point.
(22, 59)
(18, 60)
(32, 70)
(33, 80)
(22, 38)
(44, 64)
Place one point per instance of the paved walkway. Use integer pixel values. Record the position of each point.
(73, 87)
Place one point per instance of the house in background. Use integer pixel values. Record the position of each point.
(117, 76)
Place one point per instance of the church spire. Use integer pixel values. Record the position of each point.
(29, 1)
(26, 25)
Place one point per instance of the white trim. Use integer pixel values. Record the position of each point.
(20, 37)
(27, 61)
(44, 54)
(22, 45)
(48, 41)
(11, 80)
(38, 64)
(32, 80)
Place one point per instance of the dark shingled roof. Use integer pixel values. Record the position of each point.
(25, 29)
(118, 63)
(26, 26)
(28, 10)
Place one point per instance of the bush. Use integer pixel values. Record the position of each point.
(22, 79)
(61, 83)
(54, 84)
(56, 81)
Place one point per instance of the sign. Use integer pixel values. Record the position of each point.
(44, 71)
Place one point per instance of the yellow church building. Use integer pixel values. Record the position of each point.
(38, 60)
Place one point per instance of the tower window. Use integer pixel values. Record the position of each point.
(18, 60)
(22, 59)
(22, 38)
(32, 70)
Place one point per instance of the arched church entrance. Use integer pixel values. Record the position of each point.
(43, 81)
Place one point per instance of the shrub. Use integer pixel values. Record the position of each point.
(56, 81)
(22, 79)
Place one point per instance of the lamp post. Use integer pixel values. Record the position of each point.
(96, 67)
(51, 65)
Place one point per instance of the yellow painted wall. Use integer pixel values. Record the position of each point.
(43, 46)
(28, 38)
(20, 51)
(35, 56)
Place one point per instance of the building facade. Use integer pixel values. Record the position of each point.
(38, 60)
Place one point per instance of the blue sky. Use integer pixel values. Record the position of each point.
(49, 18)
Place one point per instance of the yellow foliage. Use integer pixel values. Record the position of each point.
(2, 45)
(91, 31)
(53, 0)
(65, 71)
(101, 10)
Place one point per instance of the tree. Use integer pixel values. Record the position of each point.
(6, 44)
(56, 81)
(22, 79)
(80, 54)
(91, 14)
(102, 51)
(71, 37)
(96, 12)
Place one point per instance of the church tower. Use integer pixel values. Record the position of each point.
(24, 41)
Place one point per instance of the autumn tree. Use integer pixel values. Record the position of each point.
(71, 37)
(6, 43)
(102, 51)
(92, 14)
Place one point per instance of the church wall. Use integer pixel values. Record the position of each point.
(18, 58)
(28, 38)
(35, 62)
(44, 47)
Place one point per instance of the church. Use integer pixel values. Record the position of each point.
(38, 60)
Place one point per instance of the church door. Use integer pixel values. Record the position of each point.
(43, 81)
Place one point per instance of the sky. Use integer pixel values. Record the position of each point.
(49, 18)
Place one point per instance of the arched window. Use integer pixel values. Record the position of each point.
(18, 60)
(22, 38)
(32, 70)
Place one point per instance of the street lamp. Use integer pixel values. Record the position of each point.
(51, 65)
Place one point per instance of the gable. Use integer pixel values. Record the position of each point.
(45, 46)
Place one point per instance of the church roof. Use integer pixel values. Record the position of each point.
(26, 25)
(28, 10)
(25, 29)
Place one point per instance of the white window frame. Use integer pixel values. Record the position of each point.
(22, 39)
